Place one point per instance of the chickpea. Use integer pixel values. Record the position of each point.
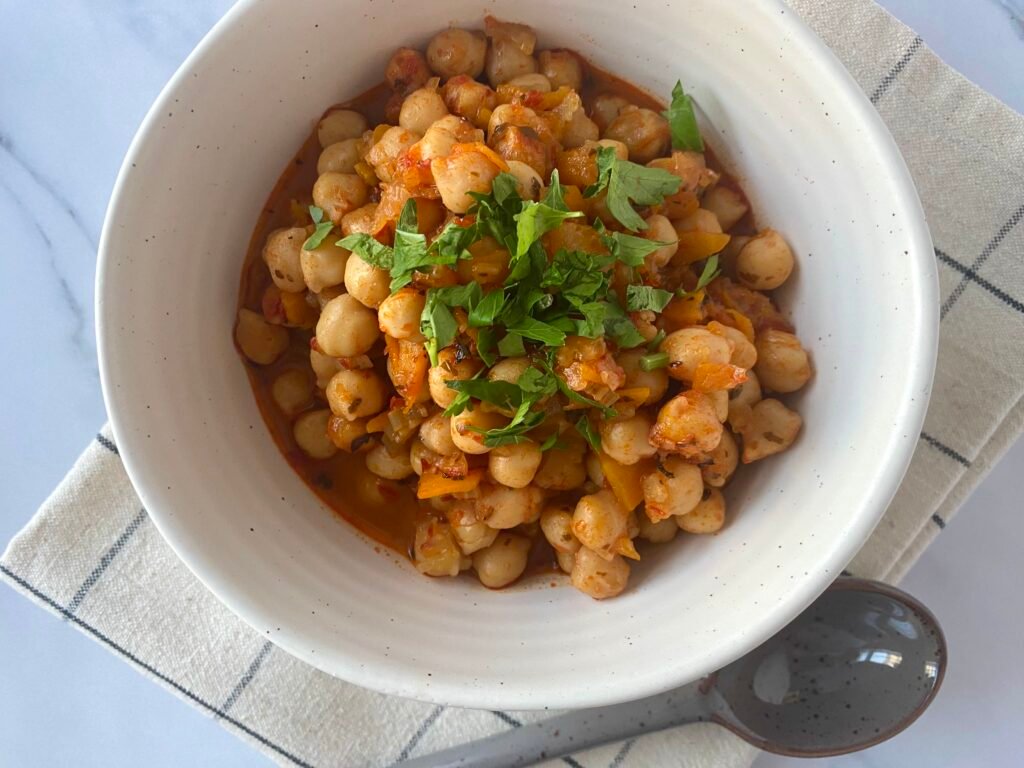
(562, 470)
(656, 381)
(471, 534)
(340, 157)
(420, 109)
(565, 560)
(707, 517)
(385, 153)
(457, 52)
(728, 205)
(503, 562)
(771, 429)
(367, 284)
(384, 464)
(562, 68)
(606, 108)
(528, 181)
(579, 130)
(595, 472)
(504, 508)
(701, 220)
(421, 457)
(626, 439)
(690, 167)
(324, 367)
(406, 71)
(292, 391)
(672, 489)
(436, 434)
(782, 364)
(323, 266)
(469, 99)
(597, 576)
(349, 436)
(659, 228)
(399, 314)
(744, 353)
(362, 219)
(340, 125)
(765, 262)
(660, 532)
(720, 398)
(434, 549)
(310, 431)
(346, 328)
(688, 425)
(522, 143)
(339, 193)
(514, 465)
(514, 114)
(281, 253)
(724, 459)
(259, 341)
(600, 522)
(508, 369)
(356, 394)
(533, 81)
(505, 61)
(689, 347)
(448, 369)
(644, 131)
(464, 428)
(556, 525)
(461, 173)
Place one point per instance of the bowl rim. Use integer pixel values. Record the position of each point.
(380, 676)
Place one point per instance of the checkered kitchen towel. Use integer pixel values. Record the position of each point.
(92, 555)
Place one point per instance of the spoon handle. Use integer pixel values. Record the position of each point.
(574, 731)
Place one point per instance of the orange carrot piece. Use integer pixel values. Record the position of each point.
(433, 484)
(625, 479)
(695, 245)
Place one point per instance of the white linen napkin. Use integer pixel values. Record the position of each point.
(92, 555)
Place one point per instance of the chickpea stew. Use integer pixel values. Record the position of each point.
(503, 311)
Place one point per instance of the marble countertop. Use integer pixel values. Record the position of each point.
(77, 80)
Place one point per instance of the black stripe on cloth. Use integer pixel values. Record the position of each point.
(898, 67)
(151, 669)
(106, 560)
(938, 521)
(980, 281)
(420, 732)
(617, 760)
(250, 673)
(989, 249)
(515, 723)
(108, 444)
(945, 450)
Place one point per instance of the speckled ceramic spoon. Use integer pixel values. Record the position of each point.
(854, 669)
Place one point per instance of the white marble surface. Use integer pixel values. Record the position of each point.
(75, 80)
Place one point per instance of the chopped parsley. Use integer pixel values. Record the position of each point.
(682, 121)
(630, 184)
(323, 228)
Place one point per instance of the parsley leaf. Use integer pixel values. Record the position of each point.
(620, 328)
(370, 250)
(555, 196)
(485, 346)
(323, 229)
(534, 220)
(551, 442)
(453, 243)
(503, 394)
(709, 273)
(585, 428)
(410, 249)
(545, 333)
(682, 121)
(490, 306)
(437, 324)
(629, 184)
(511, 345)
(316, 213)
(629, 249)
(646, 297)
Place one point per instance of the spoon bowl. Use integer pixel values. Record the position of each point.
(854, 669)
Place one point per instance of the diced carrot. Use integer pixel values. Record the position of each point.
(742, 323)
(685, 311)
(711, 377)
(626, 479)
(680, 205)
(695, 245)
(435, 484)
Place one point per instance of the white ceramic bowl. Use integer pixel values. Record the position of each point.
(818, 165)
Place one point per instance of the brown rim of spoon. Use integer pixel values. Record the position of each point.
(856, 584)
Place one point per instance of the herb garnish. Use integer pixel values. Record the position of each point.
(630, 184)
(682, 121)
(323, 228)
